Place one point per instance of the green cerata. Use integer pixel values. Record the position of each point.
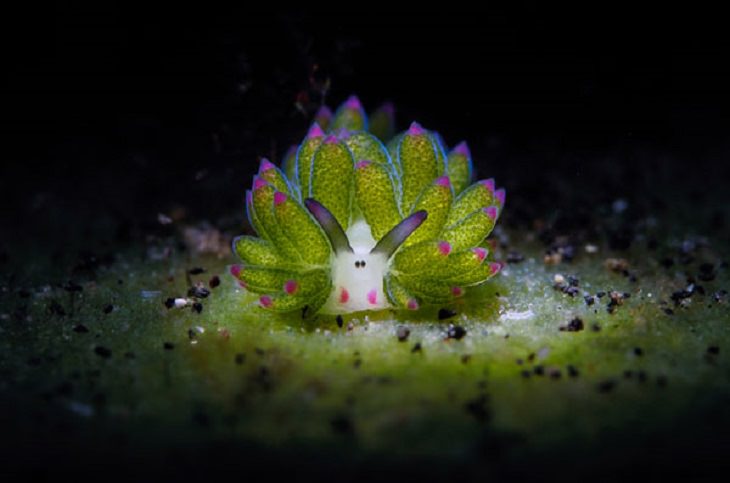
(357, 218)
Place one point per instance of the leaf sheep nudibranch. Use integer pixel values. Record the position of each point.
(350, 224)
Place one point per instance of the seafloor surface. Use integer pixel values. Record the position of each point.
(600, 350)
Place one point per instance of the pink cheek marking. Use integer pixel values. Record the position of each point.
(235, 270)
(491, 212)
(266, 301)
(242, 284)
(373, 297)
(480, 252)
(344, 296)
(291, 286)
(495, 267)
(457, 291)
(412, 304)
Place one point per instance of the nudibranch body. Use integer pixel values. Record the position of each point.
(351, 224)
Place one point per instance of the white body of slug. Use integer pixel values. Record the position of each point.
(357, 276)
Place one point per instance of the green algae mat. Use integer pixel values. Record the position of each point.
(576, 355)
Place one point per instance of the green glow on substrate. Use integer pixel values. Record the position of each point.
(237, 373)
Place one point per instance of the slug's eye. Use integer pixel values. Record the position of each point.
(360, 263)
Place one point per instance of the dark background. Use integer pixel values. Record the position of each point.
(131, 110)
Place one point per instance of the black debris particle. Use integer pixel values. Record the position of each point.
(667, 262)
(169, 302)
(168, 346)
(72, 287)
(519, 361)
(201, 418)
(455, 332)
(240, 358)
(259, 351)
(56, 309)
(568, 285)
(719, 296)
(342, 425)
(357, 363)
(555, 373)
(515, 257)
(340, 322)
(668, 311)
(526, 374)
(531, 357)
(196, 271)
(714, 350)
(108, 309)
(102, 352)
(575, 325)
(628, 374)
(416, 348)
(572, 371)
(638, 351)
(600, 294)
(641, 376)
(192, 335)
(402, 332)
(539, 370)
(606, 386)
(589, 300)
(478, 408)
(707, 272)
(446, 314)
(595, 327)
(197, 307)
(615, 299)
(214, 281)
(680, 295)
(81, 329)
(198, 292)
(465, 358)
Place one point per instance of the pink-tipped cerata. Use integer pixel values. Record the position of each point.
(444, 248)
(480, 252)
(315, 131)
(488, 183)
(443, 181)
(279, 198)
(291, 287)
(415, 129)
(463, 149)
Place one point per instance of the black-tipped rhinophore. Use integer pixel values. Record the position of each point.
(395, 237)
(330, 225)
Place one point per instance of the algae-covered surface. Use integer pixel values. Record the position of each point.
(600, 350)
